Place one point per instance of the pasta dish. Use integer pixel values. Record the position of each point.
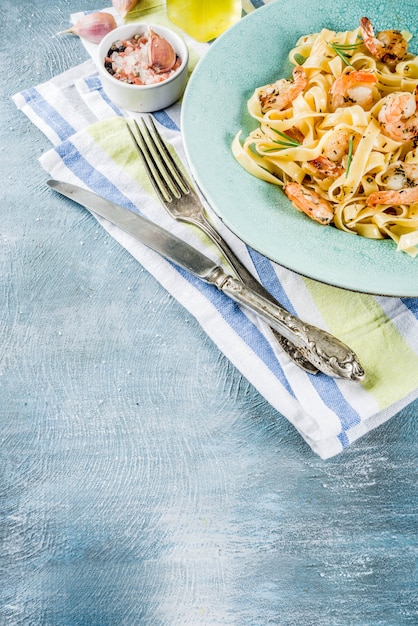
(340, 137)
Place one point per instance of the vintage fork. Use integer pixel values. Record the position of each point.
(183, 204)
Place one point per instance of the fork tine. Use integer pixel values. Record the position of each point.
(157, 160)
(160, 187)
(162, 169)
(161, 147)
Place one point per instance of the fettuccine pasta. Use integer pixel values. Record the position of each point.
(341, 135)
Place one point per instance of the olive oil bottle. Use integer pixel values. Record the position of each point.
(204, 19)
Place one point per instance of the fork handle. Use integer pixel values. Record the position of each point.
(329, 354)
(297, 355)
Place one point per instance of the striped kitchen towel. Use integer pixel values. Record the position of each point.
(92, 148)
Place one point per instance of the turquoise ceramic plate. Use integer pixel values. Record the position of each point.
(253, 53)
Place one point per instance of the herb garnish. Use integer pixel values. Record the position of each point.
(285, 141)
(350, 155)
(341, 50)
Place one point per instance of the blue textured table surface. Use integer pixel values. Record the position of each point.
(143, 480)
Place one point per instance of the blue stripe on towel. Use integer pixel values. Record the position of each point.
(165, 120)
(257, 3)
(48, 114)
(269, 279)
(344, 440)
(412, 305)
(93, 83)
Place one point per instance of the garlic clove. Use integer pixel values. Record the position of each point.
(161, 54)
(124, 6)
(93, 26)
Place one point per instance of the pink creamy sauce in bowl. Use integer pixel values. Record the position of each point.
(143, 67)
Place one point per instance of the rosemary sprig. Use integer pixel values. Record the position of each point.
(285, 141)
(350, 155)
(341, 50)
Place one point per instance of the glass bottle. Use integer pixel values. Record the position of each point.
(204, 19)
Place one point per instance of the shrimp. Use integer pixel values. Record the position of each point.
(337, 145)
(400, 175)
(398, 116)
(281, 94)
(325, 167)
(309, 202)
(393, 198)
(388, 46)
(354, 87)
(335, 149)
(401, 180)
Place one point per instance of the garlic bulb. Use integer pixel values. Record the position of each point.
(93, 26)
(124, 6)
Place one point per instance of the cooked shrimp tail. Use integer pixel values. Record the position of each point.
(281, 94)
(310, 203)
(388, 46)
(394, 198)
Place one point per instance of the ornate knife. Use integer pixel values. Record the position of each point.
(329, 354)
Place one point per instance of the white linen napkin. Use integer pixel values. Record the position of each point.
(91, 148)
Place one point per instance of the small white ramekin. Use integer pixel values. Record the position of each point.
(143, 98)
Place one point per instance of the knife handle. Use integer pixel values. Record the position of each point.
(328, 353)
(199, 218)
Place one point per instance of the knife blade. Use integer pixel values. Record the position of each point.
(329, 354)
